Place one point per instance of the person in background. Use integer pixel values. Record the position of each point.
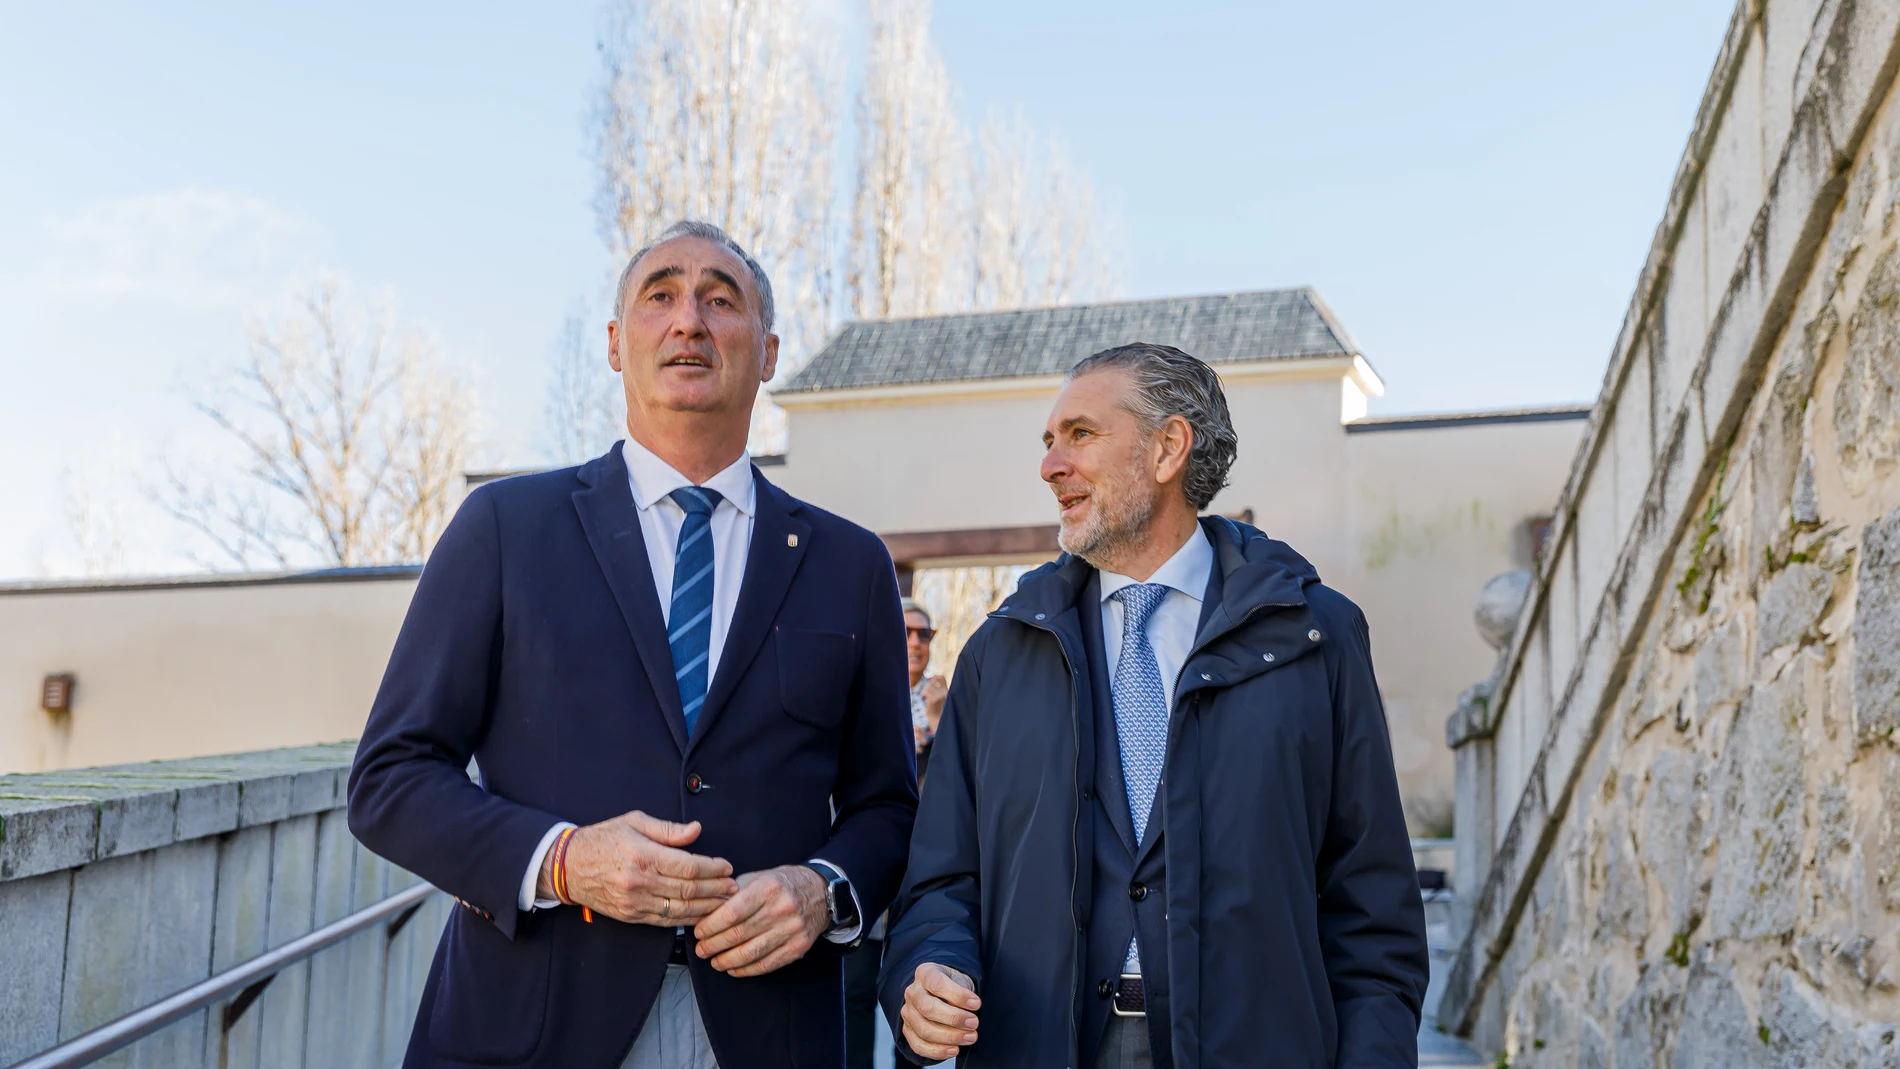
(927, 692)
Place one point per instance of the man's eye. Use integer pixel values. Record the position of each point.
(722, 301)
(1081, 433)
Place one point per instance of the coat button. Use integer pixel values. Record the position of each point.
(1105, 989)
(1314, 635)
(1267, 657)
(1205, 676)
(694, 784)
(1138, 891)
(1042, 616)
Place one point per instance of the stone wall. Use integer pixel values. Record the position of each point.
(124, 884)
(1687, 762)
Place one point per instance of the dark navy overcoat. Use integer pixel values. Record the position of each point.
(1294, 929)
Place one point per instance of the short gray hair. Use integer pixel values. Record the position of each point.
(693, 228)
(912, 605)
(1168, 383)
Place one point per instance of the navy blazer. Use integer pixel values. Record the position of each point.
(535, 646)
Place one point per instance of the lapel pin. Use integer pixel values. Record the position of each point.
(791, 540)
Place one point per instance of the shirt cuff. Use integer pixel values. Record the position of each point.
(851, 934)
(527, 901)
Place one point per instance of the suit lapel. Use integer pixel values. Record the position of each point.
(612, 523)
(1111, 791)
(779, 540)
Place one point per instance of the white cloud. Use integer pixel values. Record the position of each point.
(196, 247)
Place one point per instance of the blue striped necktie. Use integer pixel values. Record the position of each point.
(689, 621)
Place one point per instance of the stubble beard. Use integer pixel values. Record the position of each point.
(1112, 530)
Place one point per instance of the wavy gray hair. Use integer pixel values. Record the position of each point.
(1169, 382)
(693, 228)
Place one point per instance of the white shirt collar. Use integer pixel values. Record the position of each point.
(1188, 571)
(653, 478)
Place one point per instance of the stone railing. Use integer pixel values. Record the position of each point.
(1751, 245)
(124, 884)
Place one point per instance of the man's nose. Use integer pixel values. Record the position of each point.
(687, 322)
(1055, 464)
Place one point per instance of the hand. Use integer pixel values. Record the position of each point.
(775, 918)
(936, 689)
(940, 1012)
(632, 868)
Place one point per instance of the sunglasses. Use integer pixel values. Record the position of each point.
(925, 633)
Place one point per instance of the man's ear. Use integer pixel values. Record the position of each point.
(613, 345)
(771, 358)
(1173, 442)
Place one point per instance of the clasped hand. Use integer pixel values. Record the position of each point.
(635, 868)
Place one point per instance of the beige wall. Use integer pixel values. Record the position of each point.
(188, 670)
(1433, 514)
(1409, 523)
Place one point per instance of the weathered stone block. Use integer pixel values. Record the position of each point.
(1757, 890)
(44, 830)
(281, 1010)
(1867, 400)
(176, 947)
(1721, 670)
(264, 799)
(1622, 914)
(1877, 631)
(33, 931)
(1716, 1031)
(1647, 1018)
(103, 939)
(1793, 603)
(1673, 814)
(207, 808)
(240, 930)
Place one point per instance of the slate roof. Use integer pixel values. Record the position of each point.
(1290, 324)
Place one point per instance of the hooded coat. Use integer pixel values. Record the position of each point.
(1295, 934)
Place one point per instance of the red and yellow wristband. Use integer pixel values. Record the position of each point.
(558, 874)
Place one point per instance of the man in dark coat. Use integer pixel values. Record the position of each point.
(685, 693)
(1163, 827)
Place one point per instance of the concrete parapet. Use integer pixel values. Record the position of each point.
(123, 884)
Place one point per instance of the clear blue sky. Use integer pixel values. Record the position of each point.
(1473, 187)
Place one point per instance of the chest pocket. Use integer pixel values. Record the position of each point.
(814, 674)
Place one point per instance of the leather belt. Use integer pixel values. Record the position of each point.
(1131, 999)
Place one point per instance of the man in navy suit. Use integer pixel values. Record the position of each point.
(685, 696)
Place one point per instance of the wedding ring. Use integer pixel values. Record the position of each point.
(666, 908)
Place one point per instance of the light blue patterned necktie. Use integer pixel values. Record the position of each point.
(689, 621)
(1141, 713)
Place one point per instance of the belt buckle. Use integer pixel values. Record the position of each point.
(1140, 996)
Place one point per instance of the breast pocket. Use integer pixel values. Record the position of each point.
(814, 674)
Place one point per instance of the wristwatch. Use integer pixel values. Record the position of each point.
(840, 904)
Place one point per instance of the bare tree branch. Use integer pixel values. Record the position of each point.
(352, 443)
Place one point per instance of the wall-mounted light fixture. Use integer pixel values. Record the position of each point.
(56, 693)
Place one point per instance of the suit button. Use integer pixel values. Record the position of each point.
(694, 784)
(1105, 989)
(1138, 891)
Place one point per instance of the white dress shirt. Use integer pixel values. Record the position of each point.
(1172, 628)
(653, 481)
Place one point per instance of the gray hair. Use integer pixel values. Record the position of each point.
(913, 605)
(1168, 383)
(693, 228)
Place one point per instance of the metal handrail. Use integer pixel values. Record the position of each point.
(90, 1047)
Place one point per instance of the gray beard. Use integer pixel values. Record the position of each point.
(1110, 534)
